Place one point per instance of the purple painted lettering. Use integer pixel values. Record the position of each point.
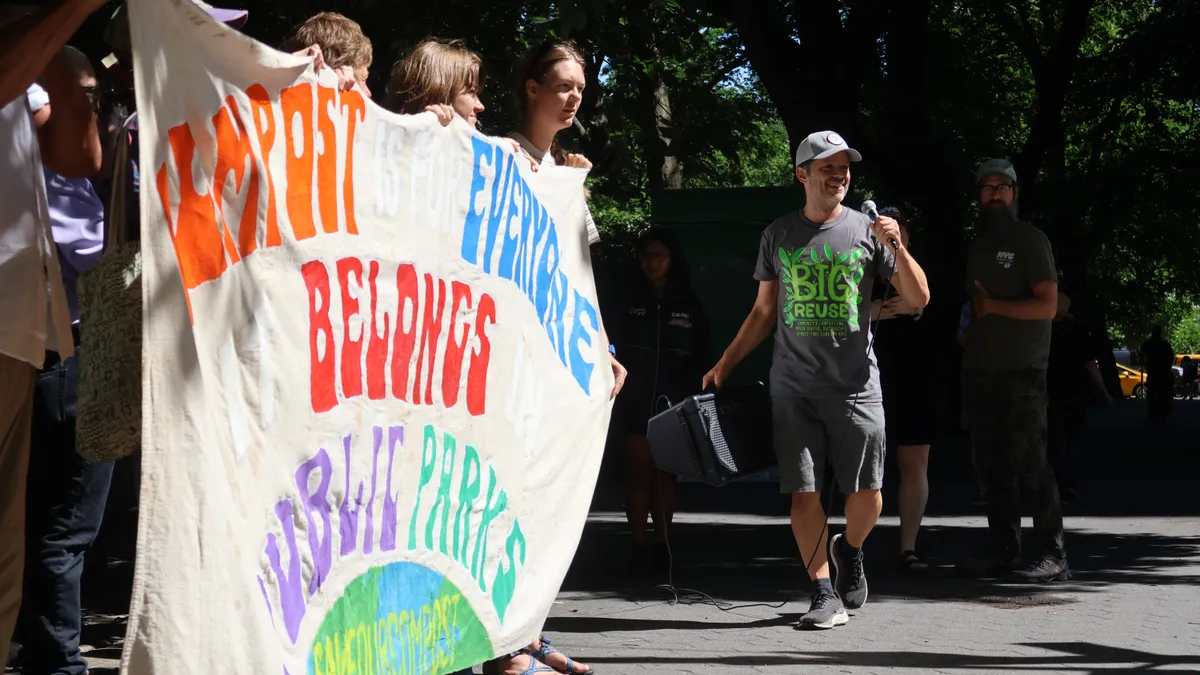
(317, 502)
(347, 517)
(387, 538)
(291, 599)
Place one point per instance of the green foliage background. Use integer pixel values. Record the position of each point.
(1097, 101)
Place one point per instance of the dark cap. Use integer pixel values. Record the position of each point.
(996, 167)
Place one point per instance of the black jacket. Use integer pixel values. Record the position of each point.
(663, 343)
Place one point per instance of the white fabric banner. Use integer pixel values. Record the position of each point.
(376, 380)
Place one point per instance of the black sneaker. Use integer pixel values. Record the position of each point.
(849, 579)
(1048, 568)
(825, 612)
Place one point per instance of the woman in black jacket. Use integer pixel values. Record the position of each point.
(663, 342)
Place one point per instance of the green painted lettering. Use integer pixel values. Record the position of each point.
(449, 450)
(504, 584)
(490, 512)
(468, 492)
(428, 459)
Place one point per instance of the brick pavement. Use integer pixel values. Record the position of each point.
(1134, 544)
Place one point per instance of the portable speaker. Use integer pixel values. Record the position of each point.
(715, 438)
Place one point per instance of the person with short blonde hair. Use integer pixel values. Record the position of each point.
(339, 41)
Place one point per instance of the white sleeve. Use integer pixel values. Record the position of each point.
(592, 232)
(38, 98)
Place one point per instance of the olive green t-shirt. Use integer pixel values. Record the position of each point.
(1009, 260)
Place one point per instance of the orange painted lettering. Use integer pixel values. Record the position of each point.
(233, 149)
(264, 124)
(197, 237)
(297, 103)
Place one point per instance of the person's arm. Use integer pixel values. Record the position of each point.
(68, 133)
(1041, 275)
(909, 280)
(907, 277)
(29, 44)
(754, 330)
(1041, 307)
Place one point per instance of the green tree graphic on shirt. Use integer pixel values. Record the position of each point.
(821, 289)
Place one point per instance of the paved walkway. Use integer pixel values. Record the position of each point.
(1134, 544)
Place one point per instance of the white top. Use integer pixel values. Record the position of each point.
(548, 158)
(33, 305)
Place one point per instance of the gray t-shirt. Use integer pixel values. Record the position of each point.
(825, 273)
(1008, 260)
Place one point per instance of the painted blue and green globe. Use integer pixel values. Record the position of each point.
(403, 619)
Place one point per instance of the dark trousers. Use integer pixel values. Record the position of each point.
(1007, 417)
(64, 507)
(1160, 393)
(1065, 420)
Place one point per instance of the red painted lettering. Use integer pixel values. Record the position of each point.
(478, 370)
(321, 361)
(452, 364)
(377, 344)
(352, 384)
(406, 340)
(431, 330)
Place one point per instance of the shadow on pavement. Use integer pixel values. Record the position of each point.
(1132, 470)
(1081, 657)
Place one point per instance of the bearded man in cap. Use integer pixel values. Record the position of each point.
(816, 267)
(1013, 284)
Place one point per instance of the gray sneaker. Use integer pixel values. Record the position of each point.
(1049, 568)
(849, 579)
(825, 612)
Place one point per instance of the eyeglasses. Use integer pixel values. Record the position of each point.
(998, 189)
(93, 96)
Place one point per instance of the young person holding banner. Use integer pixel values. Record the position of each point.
(445, 77)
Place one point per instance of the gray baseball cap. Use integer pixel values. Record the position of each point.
(996, 167)
(824, 144)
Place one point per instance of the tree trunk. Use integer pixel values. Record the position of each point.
(671, 175)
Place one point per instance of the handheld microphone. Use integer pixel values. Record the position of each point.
(869, 208)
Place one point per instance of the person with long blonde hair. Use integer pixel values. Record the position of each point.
(446, 78)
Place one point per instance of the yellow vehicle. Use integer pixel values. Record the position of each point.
(1133, 382)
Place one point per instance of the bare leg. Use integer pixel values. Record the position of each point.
(639, 485)
(808, 527)
(862, 511)
(914, 492)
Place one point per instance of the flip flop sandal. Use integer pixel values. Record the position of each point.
(909, 562)
(535, 666)
(546, 650)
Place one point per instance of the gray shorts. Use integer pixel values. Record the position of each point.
(812, 433)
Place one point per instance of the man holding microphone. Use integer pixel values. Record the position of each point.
(816, 267)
